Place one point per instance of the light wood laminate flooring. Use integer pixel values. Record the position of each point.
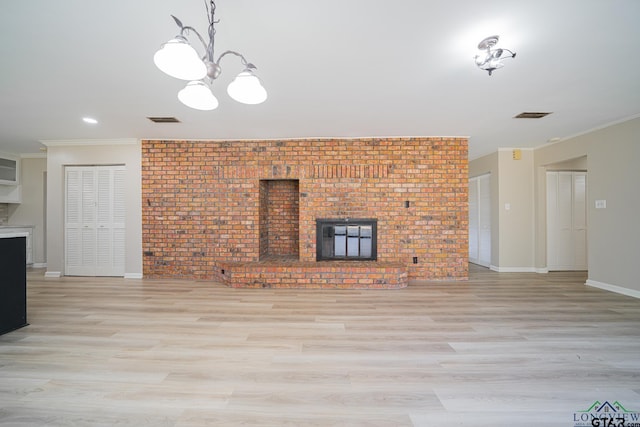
(504, 349)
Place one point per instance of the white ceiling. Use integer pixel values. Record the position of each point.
(333, 68)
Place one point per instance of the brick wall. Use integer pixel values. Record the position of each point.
(202, 200)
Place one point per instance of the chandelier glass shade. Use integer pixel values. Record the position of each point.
(180, 60)
(196, 94)
(247, 88)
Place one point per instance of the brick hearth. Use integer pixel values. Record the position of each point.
(287, 272)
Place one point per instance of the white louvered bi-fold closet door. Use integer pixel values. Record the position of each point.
(480, 220)
(566, 220)
(94, 221)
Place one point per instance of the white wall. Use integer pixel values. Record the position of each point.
(90, 153)
(31, 210)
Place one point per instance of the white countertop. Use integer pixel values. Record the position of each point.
(15, 226)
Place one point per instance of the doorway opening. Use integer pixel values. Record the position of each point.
(567, 216)
(566, 220)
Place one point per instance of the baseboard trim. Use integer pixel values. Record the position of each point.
(57, 274)
(613, 288)
(513, 269)
(39, 265)
(543, 270)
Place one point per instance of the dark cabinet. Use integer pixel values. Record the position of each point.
(13, 283)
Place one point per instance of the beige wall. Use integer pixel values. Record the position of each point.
(579, 164)
(31, 210)
(61, 154)
(512, 208)
(613, 234)
(516, 211)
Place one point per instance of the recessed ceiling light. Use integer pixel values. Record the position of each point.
(90, 120)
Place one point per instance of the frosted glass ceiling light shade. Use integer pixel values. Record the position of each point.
(247, 88)
(197, 95)
(491, 59)
(178, 59)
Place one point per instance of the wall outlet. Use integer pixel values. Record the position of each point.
(601, 204)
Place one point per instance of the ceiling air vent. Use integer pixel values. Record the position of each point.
(163, 119)
(531, 115)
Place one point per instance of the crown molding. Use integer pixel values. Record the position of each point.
(516, 148)
(88, 142)
(33, 155)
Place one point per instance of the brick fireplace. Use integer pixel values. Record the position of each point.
(245, 213)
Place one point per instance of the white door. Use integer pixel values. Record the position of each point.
(566, 220)
(480, 220)
(474, 220)
(94, 221)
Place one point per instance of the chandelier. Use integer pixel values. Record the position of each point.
(179, 59)
(491, 59)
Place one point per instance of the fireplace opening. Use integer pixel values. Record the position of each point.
(346, 239)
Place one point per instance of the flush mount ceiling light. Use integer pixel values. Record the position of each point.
(179, 59)
(490, 57)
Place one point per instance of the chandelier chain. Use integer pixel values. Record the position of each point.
(211, 14)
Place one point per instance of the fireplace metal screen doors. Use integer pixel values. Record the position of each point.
(346, 239)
